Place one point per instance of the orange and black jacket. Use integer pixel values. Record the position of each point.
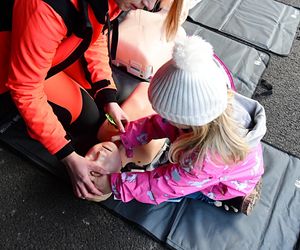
(45, 37)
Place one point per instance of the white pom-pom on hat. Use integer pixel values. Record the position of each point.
(192, 51)
(191, 88)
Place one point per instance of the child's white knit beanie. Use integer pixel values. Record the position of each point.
(190, 88)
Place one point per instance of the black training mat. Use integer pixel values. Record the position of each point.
(13, 134)
(192, 224)
(267, 24)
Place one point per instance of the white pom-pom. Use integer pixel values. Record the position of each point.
(191, 52)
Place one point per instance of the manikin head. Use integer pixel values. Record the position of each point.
(107, 155)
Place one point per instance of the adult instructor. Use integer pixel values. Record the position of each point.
(57, 73)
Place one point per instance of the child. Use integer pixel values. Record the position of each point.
(215, 134)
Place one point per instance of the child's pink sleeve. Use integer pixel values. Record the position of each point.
(154, 187)
(142, 131)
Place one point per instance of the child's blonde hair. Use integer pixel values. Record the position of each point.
(221, 138)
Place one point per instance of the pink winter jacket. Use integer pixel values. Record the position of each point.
(217, 181)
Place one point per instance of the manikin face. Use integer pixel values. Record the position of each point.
(126, 5)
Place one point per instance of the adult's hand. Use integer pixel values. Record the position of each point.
(116, 112)
(102, 182)
(79, 169)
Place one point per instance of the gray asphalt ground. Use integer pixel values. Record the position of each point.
(39, 211)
